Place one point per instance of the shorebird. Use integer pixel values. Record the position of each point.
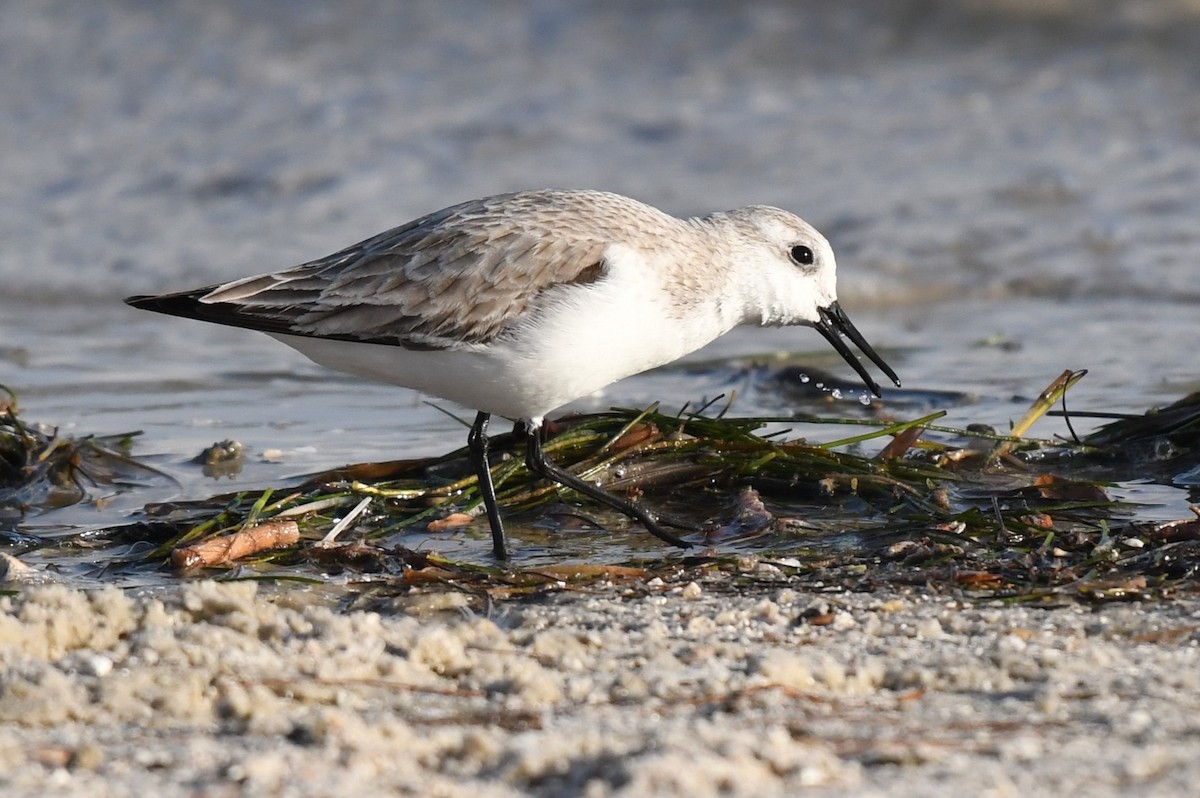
(516, 304)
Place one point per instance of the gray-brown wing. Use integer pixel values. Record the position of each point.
(462, 275)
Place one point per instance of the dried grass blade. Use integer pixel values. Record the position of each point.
(1046, 400)
(346, 521)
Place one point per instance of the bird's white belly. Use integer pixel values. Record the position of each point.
(471, 379)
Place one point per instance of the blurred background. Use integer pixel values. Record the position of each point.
(1011, 187)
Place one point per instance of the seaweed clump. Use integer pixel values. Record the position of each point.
(903, 504)
(41, 470)
(969, 510)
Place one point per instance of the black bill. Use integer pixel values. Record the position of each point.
(833, 325)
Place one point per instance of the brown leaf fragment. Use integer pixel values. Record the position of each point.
(429, 575)
(901, 443)
(356, 554)
(452, 521)
(411, 558)
(635, 436)
(1058, 489)
(959, 456)
(977, 578)
(369, 472)
(226, 549)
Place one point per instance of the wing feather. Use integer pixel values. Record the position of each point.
(457, 277)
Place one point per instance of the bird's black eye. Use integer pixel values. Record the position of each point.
(802, 255)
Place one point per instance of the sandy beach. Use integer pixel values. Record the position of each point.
(227, 689)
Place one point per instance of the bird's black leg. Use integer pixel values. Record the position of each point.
(536, 459)
(477, 445)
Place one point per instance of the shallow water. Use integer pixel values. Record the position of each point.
(1010, 186)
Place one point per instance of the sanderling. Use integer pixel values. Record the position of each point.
(519, 303)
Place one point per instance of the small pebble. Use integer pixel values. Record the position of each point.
(96, 665)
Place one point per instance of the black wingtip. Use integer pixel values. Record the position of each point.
(184, 303)
(141, 301)
(190, 305)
